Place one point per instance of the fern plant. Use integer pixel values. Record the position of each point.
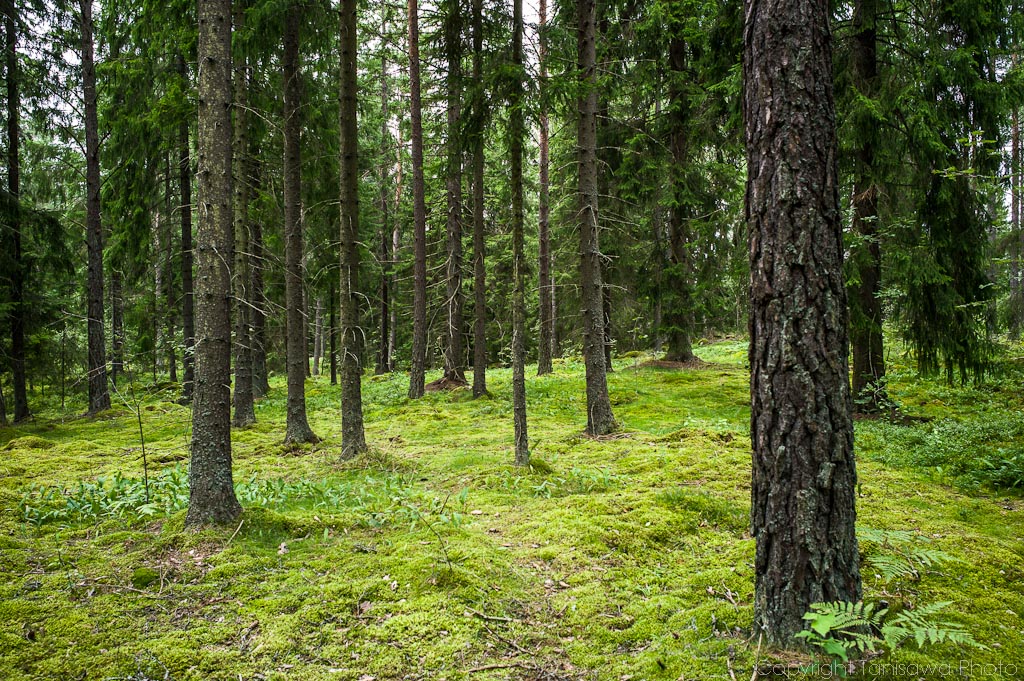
(899, 555)
(841, 629)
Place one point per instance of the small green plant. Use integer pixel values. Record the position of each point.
(841, 629)
(895, 555)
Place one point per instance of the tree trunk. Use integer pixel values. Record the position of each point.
(245, 411)
(545, 346)
(866, 324)
(419, 293)
(297, 429)
(353, 437)
(479, 241)
(677, 310)
(606, 314)
(18, 312)
(517, 131)
(396, 245)
(318, 336)
(804, 477)
(117, 336)
(334, 335)
(168, 292)
(383, 348)
(454, 360)
(1016, 216)
(600, 419)
(211, 488)
(187, 291)
(99, 393)
(258, 315)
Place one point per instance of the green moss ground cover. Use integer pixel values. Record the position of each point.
(432, 558)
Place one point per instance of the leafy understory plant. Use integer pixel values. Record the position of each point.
(895, 555)
(843, 630)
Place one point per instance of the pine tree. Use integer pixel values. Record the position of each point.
(517, 132)
(546, 342)
(419, 305)
(804, 479)
(211, 487)
(600, 419)
(99, 393)
(476, 136)
(18, 312)
(297, 429)
(353, 438)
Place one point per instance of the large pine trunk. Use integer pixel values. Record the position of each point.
(353, 437)
(99, 393)
(479, 242)
(297, 429)
(866, 324)
(517, 131)
(260, 383)
(17, 314)
(383, 364)
(677, 307)
(600, 419)
(211, 488)
(545, 348)
(804, 477)
(454, 361)
(419, 293)
(187, 290)
(245, 412)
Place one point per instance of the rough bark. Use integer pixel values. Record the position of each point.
(18, 311)
(866, 325)
(169, 316)
(454, 359)
(479, 241)
(99, 393)
(187, 289)
(211, 488)
(419, 293)
(245, 412)
(600, 419)
(117, 336)
(258, 311)
(396, 244)
(333, 331)
(297, 429)
(383, 365)
(804, 477)
(318, 335)
(677, 314)
(353, 437)
(517, 130)
(545, 345)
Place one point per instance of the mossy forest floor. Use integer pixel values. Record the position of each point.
(627, 557)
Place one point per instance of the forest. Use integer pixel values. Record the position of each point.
(478, 339)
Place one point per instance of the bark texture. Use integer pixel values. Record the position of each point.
(677, 310)
(866, 324)
(600, 419)
(804, 477)
(517, 127)
(297, 429)
(419, 293)
(545, 345)
(260, 384)
(479, 242)
(353, 437)
(18, 312)
(245, 412)
(454, 359)
(383, 365)
(211, 487)
(99, 393)
(187, 288)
